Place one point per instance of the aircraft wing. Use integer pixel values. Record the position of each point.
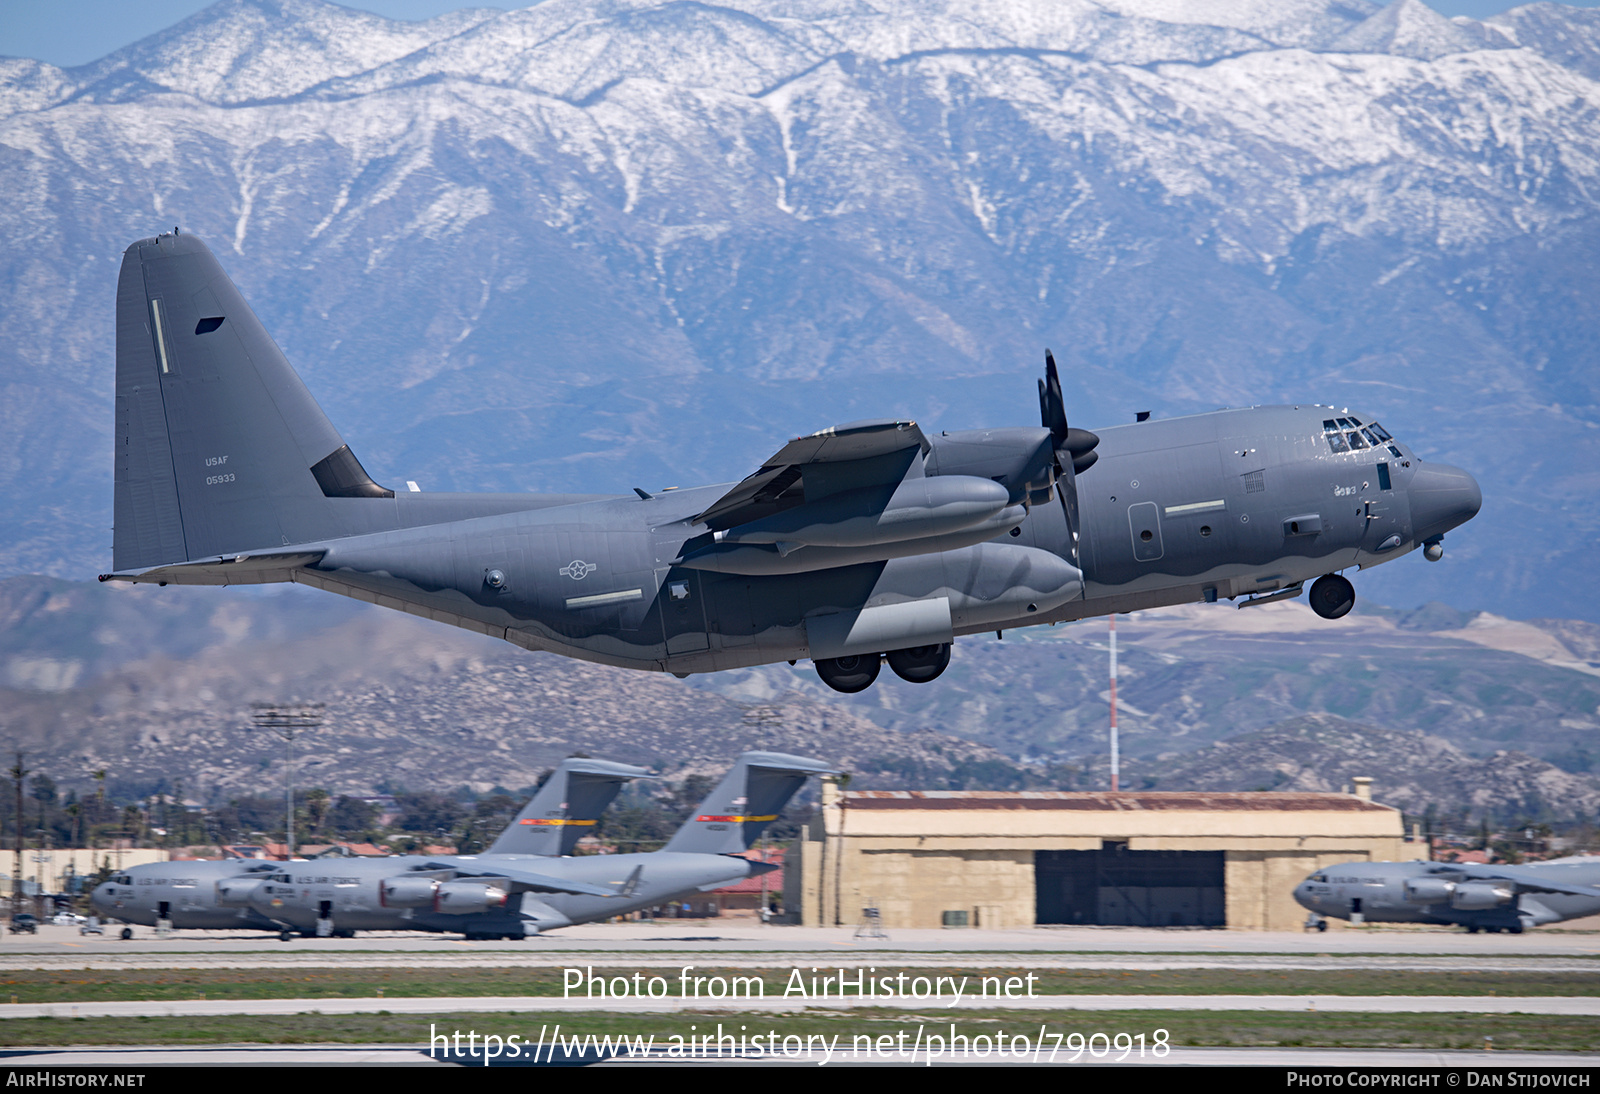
(523, 880)
(1525, 878)
(844, 457)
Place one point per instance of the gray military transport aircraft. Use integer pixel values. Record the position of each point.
(866, 542)
(1476, 896)
(215, 895)
(514, 889)
(505, 894)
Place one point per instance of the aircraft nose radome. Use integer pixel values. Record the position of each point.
(1442, 498)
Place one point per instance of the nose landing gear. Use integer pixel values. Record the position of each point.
(1332, 596)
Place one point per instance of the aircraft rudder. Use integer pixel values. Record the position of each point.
(566, 808)
(220, 445)
(747, 800)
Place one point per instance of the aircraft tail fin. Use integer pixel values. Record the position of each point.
(566, 808)
(749, 797)
(220, 446)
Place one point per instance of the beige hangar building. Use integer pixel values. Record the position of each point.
(1016, 859)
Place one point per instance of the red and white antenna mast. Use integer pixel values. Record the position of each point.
(1114, 756)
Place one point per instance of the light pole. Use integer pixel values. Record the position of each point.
(1115, 757)
(287, 720)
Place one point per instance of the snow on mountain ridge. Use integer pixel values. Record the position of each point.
(239, 51)
(1409, 28)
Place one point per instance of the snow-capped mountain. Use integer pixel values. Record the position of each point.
(598, 243)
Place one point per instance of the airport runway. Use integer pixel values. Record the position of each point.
(1565, 1005)
(395, 1056)
(740, 941)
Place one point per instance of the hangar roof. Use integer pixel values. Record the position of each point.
(1146, 800)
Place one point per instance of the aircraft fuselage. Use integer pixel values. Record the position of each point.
(1209, 507)
(1428, 892)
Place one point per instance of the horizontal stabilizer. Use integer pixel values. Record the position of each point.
(252, 569)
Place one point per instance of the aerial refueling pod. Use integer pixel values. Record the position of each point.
(464, 897)
(1428, 890)
(1471, 896)
(763, 559)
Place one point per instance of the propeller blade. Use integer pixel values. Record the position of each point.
(1067, 491)
(1053, 405)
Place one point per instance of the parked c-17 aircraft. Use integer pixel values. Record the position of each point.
(864, 543)
(1487, 897)
(488, 896)
(215, 895)
(509, 891)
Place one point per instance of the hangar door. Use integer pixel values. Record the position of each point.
(1117, 887)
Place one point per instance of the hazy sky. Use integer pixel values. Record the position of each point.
(74, 32)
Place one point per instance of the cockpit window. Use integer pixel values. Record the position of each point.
(124, 879)
(1373, 441)
(1355, 421)
(1355, 440)
(1336, 442)
(1383, 434)
(1344, 423)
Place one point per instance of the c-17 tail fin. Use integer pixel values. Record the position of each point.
(566, 808)
(220, 448)
(749, 797)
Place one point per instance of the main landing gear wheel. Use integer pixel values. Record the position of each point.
(919, 664)
(850, 674)
(285, 935)
(1332, 596)
(127, 933)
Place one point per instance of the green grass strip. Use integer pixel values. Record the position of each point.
(1217, 1028)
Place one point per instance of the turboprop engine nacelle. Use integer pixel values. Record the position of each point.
(463, 897)
(1476, 895)
(407, 892)
(1428, 890)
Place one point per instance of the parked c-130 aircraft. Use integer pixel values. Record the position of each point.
(856, 545)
